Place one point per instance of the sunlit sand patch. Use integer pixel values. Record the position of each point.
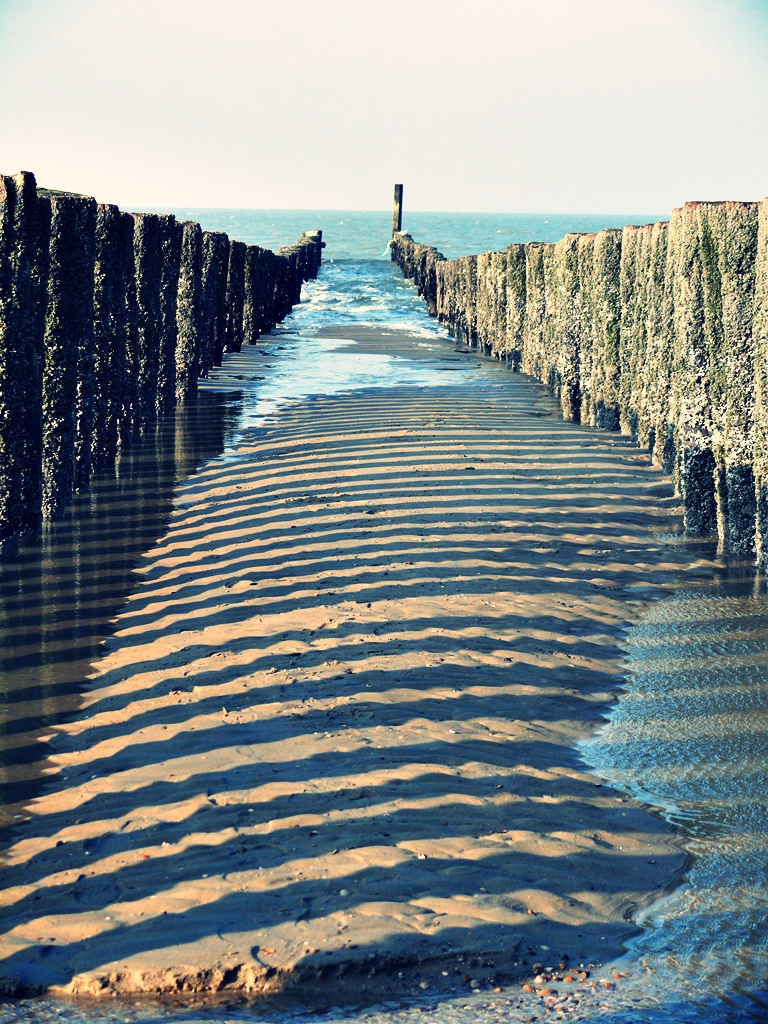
(337, 715)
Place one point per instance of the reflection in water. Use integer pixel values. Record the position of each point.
(58, 599)
(689, 737)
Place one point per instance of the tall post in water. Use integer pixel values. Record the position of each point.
(397, 213)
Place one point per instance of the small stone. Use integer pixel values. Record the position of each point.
(343, 892)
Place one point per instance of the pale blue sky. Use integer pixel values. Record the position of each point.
(604, 106)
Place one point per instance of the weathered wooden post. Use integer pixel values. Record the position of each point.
(148, 255)
(24, 250)
(189, 310)
(69, 352)
(397, 213)
(114, 265)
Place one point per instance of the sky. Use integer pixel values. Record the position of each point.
(563, 106)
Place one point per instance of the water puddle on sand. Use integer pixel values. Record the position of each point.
(688, 737)
(57, 600)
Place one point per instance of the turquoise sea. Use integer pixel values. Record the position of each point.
(360, 235)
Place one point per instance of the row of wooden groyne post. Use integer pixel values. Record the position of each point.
(107, 320)
(660, 331)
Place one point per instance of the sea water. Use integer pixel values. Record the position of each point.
(687, 738)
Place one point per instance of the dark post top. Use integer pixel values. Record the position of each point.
(397, 215)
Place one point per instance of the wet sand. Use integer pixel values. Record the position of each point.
(331, 742)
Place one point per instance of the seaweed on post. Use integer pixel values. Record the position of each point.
(729, 248)
(215, 257)
(189, 311)
(588, 367)
(24, 253)
(172, 233)
(535, 311)
(605, 315)
(760, 334)
(114, 264)
(515, 306)
(68, 363)
(691, 411)
(148, 255)
(233, 338)
(252, 305)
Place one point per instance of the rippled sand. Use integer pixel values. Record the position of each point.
(332, 738)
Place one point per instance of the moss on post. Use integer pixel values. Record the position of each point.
(484, 301)
(24, 253)
(114, 265)
(692, 414)
(729, 248)
(172, 234)
(254, 295)
(130, 420)
(215, 262)
(515, 306)
(588, 370)
(562, 336)
(189, 311)
(233, 338)
(760, 334)
(69, 358)
(659, 342)
(282, 302)
(148, 256)
(605, 312)
(633, 285)
(267, 301)
(535, 311)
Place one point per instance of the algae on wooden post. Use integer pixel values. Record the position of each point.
(215, 259)
(68, 365)
(633, 292)
(114, 264)
(760, 335)
(515, 306)
(535, 310)
(728, 252)
(495, 290)
(24, 248)
(268, 306)
(148, 255)
(605, 302)
(564, 324)
(659, 341)
(233, 339)
(691, 411)
(484, 301)
(588, 371)
(130, 420)
(254, 295)
(466, 299)
(282, 303)
(189, 310)
(172, 233)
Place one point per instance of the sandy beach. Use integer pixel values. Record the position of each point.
(332, 740)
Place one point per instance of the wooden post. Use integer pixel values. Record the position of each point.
(397, 214)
